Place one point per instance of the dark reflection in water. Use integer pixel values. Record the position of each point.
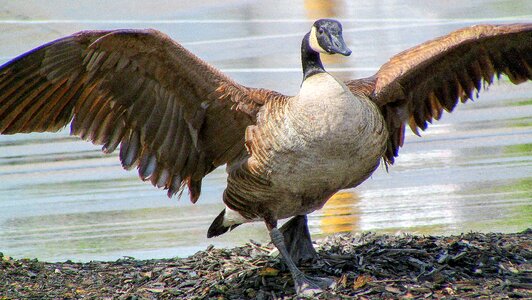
(60, 198)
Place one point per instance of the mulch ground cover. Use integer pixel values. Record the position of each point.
(366, 266)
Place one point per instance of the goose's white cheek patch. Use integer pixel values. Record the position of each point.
(313, 41)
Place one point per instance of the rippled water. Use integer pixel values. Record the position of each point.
(60, 198)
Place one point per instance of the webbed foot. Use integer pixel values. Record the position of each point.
(309, 286)
(304, 285)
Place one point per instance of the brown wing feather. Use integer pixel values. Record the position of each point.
(417, 85)
(175, 117)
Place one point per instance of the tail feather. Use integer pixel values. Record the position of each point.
(217, 227)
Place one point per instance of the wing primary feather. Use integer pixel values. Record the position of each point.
(61, 107)
(111, 61)
(129, 149)
(44, 115)
(17, 105)
(154, 120)
(87, 57)
(126, 89)
(516, 68)
(419, 113)
(452, 91)
(191, 162)
(100, 115)
(170, 135)
(178, 141)
(467, 85)
(162, 179)
(476, 75)
(59, 54)
(436, 106)
(195, 190)
(176, 185)
(116, 136)
(142, 105)
(96, 105)
(51, 66)
(155, 174)
(36, 107)
(101, 131)
(84, 101)
(11, 94)
(175, 140)
(161, 124)
(14, 83)
(85, 114)
(167, 122)
(445, 100)
(95, 62)
(486, 68)
(30, 104)
(413, 126)
(60, 72)
(122, 63)
(458, 89)
(182, 155)
(147, 165)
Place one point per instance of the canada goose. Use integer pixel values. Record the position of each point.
(176, 118)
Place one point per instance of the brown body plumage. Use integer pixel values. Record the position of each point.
(176, 118)
(305, 148)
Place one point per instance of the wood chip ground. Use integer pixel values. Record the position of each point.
(366, 266)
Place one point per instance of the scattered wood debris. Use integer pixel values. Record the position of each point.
(366, 266)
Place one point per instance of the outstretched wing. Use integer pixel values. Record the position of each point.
(416, 85)
(175, 117)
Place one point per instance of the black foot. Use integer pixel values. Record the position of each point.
(309, 286)
(297, 240)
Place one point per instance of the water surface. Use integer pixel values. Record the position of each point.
(60, 198)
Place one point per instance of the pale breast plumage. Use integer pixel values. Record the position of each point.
(325, 131)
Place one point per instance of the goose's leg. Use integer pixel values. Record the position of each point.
(297, 240)
(304, 285)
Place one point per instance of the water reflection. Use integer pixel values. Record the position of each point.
(317, 9)
(340, 214)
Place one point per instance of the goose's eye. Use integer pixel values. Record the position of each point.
(320, 31)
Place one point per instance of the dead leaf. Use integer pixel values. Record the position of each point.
(392, 289)
(343, 280)
(268, 272)
(361, 281)
(449, 291)
(155, 290)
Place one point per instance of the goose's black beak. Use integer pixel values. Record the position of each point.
(338, 45)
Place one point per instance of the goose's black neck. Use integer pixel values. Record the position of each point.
(310, 59)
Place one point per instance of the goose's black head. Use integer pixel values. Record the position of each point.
(326, 37)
